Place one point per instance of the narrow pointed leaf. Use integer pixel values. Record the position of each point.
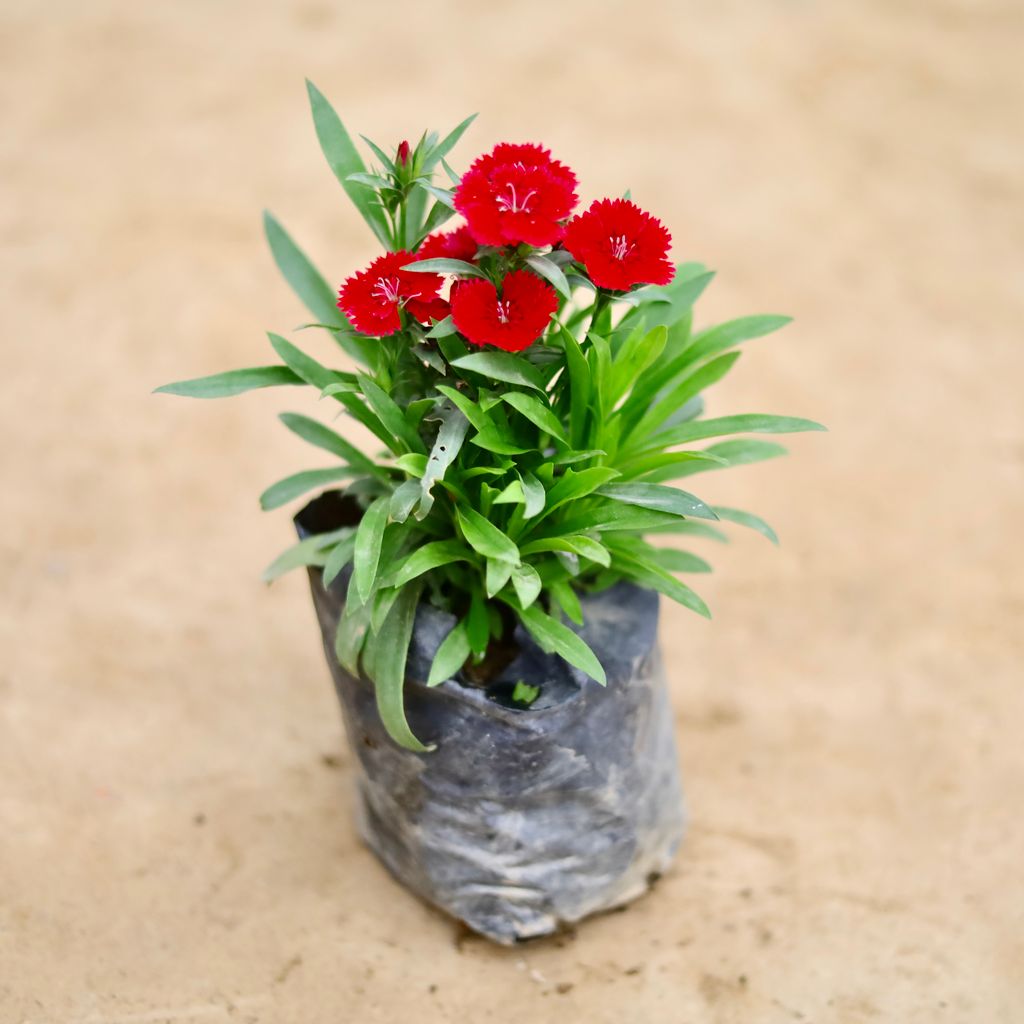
(445, 146)
(309, 551)
(430, 556)
(527, 584)
(556, 638)
(232, 382)
(502, 366)
(344, 160)
(551, 273)
(297, 484)
(319, 434)
(485, 538)
(339, 557)
(391, 645)
(537, 412)
(660, 498)
(447, 444)
(443, 265)
(748, 519)
(750, 423)
(650, 575)
(451, 655)
(369, 537)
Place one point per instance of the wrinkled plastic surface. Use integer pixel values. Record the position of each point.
(522, 820)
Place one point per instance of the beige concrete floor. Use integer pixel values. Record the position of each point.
(175, 835)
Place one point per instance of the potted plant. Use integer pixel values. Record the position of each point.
(487, 583)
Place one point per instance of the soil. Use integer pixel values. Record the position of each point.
(174, 788)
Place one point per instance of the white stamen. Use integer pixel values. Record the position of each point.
(513, 204)
(386, 288)
(504, 312)
(620, 247)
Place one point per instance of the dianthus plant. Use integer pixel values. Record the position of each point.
(535, 381)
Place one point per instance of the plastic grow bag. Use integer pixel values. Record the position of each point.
(523, 819)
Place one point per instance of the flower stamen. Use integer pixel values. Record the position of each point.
(621, 248)
(512, 204)
(504, 312)
(386, 289)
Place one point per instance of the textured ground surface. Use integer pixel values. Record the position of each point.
(174, 809)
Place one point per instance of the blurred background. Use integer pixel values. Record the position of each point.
(174, 789)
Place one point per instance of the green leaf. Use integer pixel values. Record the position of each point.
(447, 444)
(369, 537)
(660, 466)
(439, 214)
(403, 499)
(352, 630)
(658, 497)
(750, 423)
(445, 146)
(550, 272)
(502, 366)
(556, 638)
(429, 556)
(306, 366)
(740, 452)
(565, 598)
(577, 484)
(578, 371)
(478, 628)
(319, 298)
(309, 551)
(470, 409)
(391, 650)
(320, 435)
(339, 557)
(443, 265)
(444, 196)
(491, 440)
(374, 181)
(341, 388)
(512, 494)
(451, 655)
(386, 161)
(290, 487)
(527, 584)
(735, 515)
(232, 382)
(647, 574)
(723, 336)
(359, 411)
(344, 160)
(692, 528)
(523, 693)
(682, 294)
(496, 576)
(534, 494)
(442, 328)
(485, 538)
(674, 560)
(390, 415)
(536, 412)
(640, 350)
(687, 387)
(575, 544)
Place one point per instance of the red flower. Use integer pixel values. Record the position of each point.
(373, 298)
(454, 245)
(620, 245)
(516, 194)
(513, 322)
(403, 152)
